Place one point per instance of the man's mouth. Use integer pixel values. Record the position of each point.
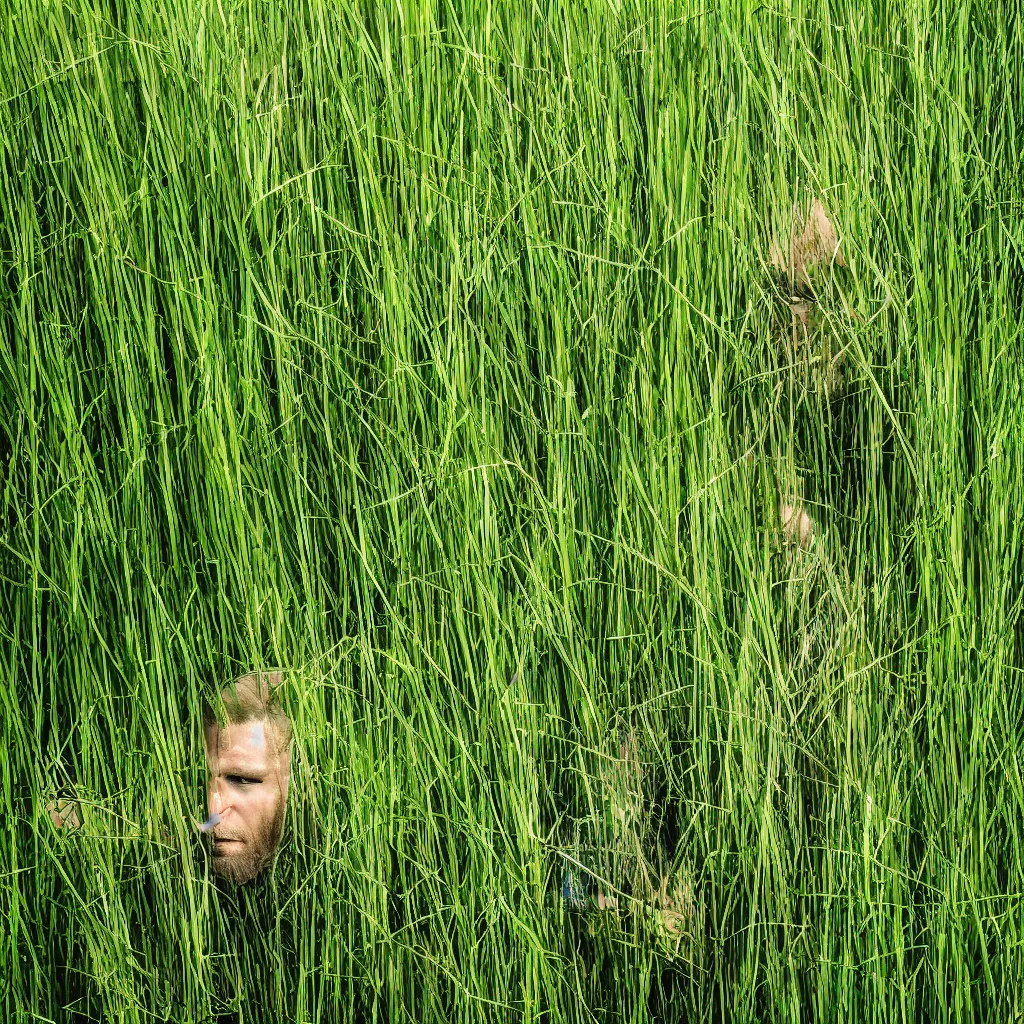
(221, 847)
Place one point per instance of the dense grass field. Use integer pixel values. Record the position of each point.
(647, 587)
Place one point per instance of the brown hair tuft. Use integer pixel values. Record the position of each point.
(252, 698)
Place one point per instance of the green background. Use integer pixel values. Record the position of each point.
(430, 352)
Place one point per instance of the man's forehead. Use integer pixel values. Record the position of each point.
(248, 738)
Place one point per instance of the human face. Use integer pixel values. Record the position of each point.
(248, 787)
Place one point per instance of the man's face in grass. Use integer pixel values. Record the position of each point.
(248, 787)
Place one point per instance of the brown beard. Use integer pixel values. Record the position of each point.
(258, 854)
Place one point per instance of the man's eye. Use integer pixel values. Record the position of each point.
(242, 780)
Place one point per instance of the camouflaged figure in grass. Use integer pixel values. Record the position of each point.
(248, 757)
(807, 342)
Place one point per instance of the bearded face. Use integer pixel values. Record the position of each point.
(247, 790)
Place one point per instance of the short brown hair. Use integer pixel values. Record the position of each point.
(252, 698)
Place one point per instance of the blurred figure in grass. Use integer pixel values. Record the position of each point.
(248, 757)
(64, 812)
(618, 865)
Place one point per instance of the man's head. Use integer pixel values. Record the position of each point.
(249, 763)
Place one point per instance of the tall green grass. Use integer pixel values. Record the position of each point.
(431, 353)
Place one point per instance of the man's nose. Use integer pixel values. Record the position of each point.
(217, 798)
